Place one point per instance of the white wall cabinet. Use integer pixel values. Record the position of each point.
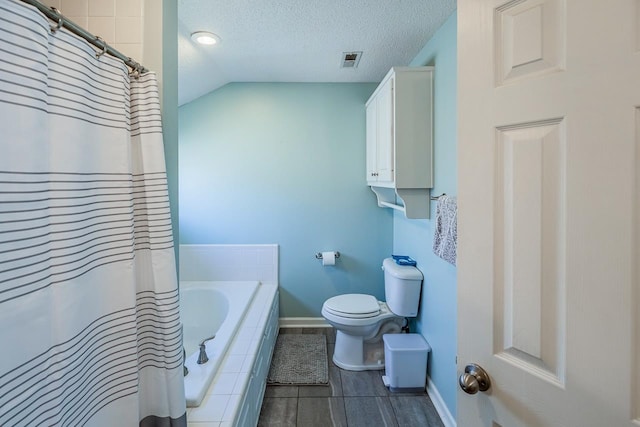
(380, 136)
(399, 116)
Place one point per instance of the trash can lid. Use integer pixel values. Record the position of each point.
(406, 342)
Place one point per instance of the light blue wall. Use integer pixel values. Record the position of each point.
(437, 317)
(285, 163)
(170, 107)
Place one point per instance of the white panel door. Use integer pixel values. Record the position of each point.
(548, 159)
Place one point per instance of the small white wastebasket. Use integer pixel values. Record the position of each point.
(405, 362)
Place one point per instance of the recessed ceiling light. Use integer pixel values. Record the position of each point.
(205, 37)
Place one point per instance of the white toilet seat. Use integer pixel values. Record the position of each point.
(368, 310)
(353, 306)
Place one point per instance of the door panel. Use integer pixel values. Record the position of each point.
(530, 39)
(385, 133)
(372, 140)
(529, 294)
(549, 92)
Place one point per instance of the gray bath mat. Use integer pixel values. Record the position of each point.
(299, 359)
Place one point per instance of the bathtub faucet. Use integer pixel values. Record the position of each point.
(202, 357)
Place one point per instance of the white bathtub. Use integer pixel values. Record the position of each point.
(207, 309)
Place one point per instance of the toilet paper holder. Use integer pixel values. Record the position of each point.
(319, 255)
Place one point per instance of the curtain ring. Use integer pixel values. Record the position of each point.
(104, 47)
(60, 23)
(135, 70)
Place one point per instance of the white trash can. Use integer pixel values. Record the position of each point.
(405, 362)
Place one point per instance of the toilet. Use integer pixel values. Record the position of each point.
(360, 320)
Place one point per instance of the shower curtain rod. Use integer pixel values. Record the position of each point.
(53, 14)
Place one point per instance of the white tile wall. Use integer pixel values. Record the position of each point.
(51, 3)
(74, 7)
(119, 22)
(129, 7)
(229, 262)
(103, 26)
(102, 8)
(128, 29)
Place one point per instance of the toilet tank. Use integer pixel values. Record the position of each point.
(402, 284)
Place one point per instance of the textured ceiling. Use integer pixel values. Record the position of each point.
(300, 40)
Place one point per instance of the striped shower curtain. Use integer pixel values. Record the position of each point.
(89, 317)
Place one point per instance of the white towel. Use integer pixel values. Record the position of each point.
(445, 236)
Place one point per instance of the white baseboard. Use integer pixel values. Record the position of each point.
(447, 419)
(303, 322)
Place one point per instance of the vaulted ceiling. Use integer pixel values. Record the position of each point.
(300, 40)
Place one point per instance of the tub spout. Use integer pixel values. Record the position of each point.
(202, 357)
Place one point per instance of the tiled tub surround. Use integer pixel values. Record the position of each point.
(207, 309)
(229, 263)
(235, 395)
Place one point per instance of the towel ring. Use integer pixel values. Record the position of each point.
(104, 47)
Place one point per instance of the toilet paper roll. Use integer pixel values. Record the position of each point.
(328, 258)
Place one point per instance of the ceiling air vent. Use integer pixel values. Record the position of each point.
(350, 59)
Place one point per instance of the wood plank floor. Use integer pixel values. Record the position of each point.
(352, 399)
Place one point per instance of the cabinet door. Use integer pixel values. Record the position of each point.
(384, 143)
(372, 142)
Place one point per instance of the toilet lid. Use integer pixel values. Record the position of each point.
(353, 305)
